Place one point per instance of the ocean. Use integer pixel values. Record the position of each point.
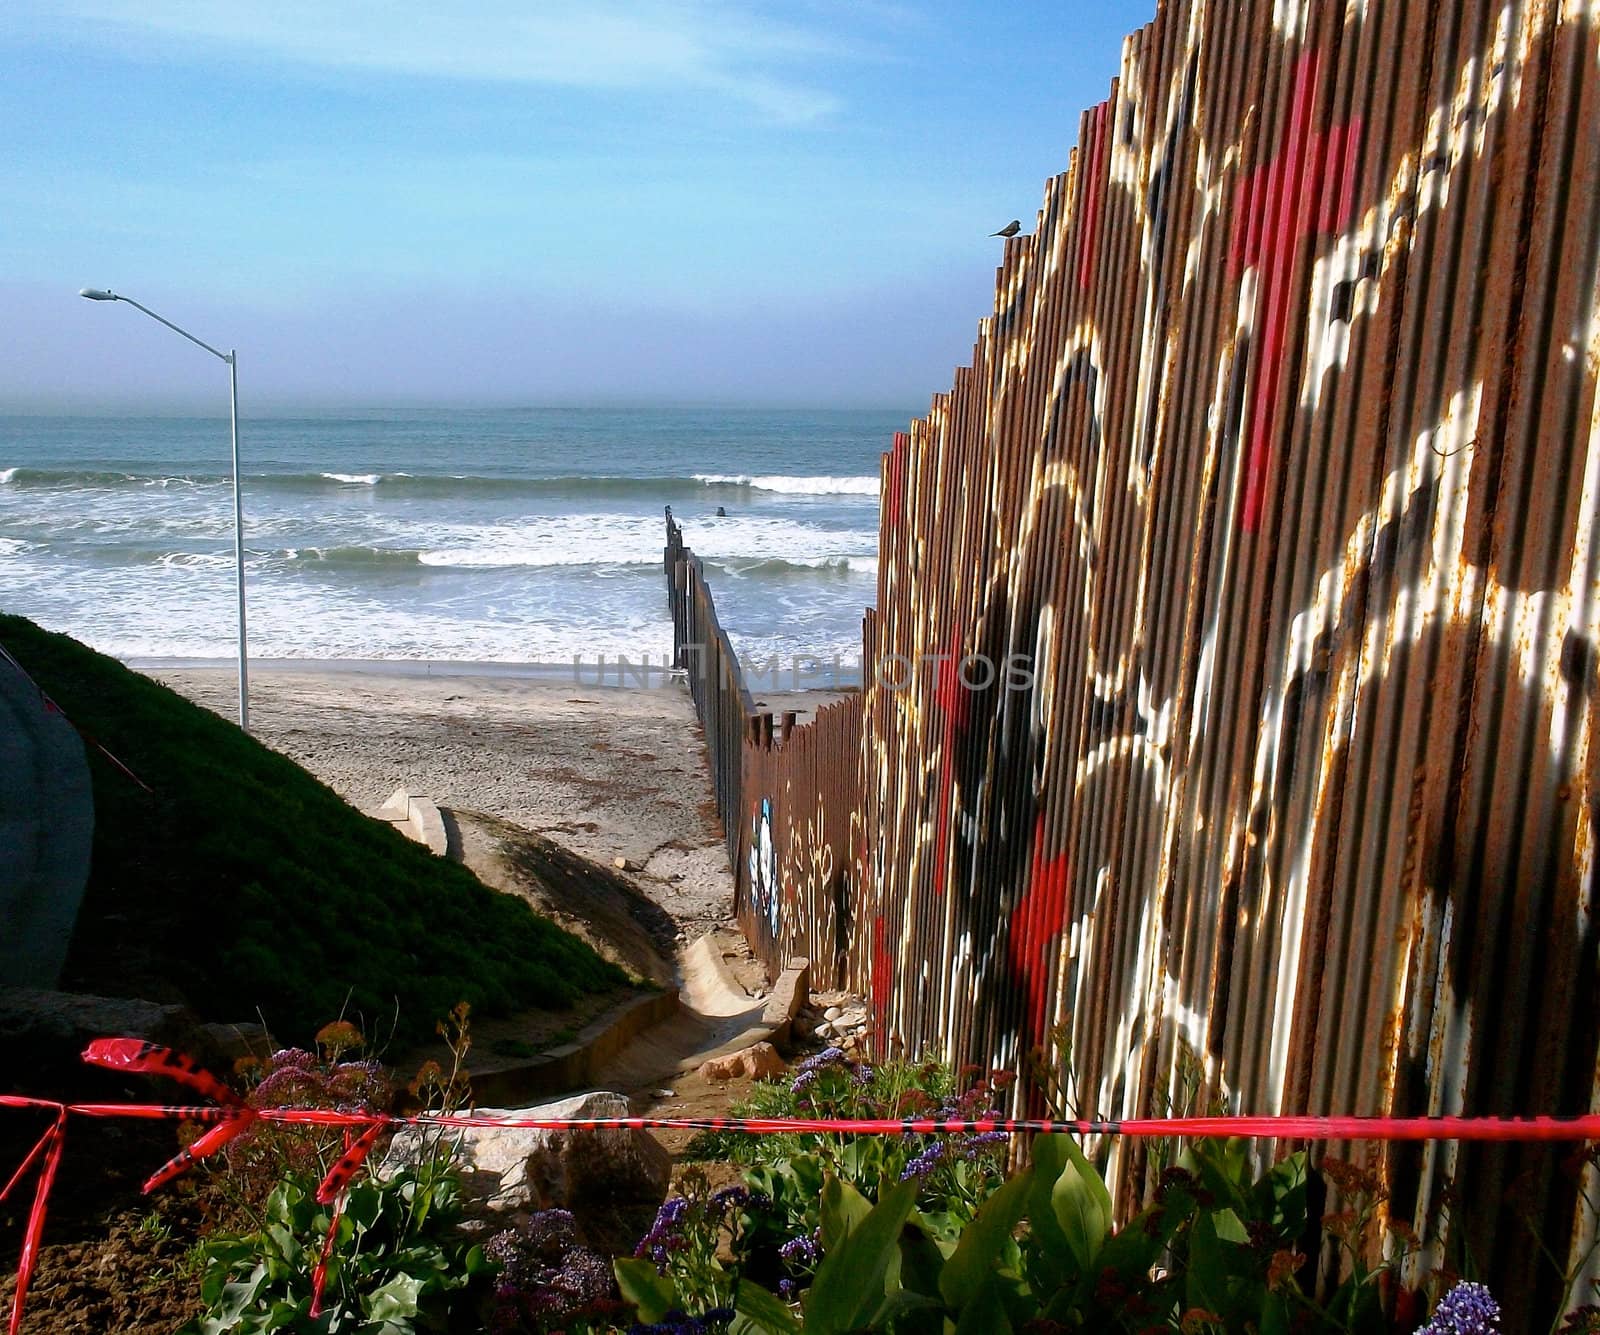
(507, 536)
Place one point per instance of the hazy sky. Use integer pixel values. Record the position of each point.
(513, 200)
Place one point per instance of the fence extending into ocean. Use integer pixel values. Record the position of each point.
(1231, 721)
(786, 792)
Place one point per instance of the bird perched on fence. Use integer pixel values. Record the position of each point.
(1010, 229)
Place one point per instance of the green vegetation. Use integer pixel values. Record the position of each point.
(242, 882)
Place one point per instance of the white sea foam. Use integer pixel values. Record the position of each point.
(357, 479)
(636, 540)
(196, 560)
(13, 546)
(794, 486)
(6, 474)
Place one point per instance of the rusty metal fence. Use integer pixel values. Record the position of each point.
(1232, 720)
(786, 792)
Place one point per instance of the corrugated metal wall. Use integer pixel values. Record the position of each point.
(1232, 705)
(1267, 509)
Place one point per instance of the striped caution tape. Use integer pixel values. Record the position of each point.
(230, 1116)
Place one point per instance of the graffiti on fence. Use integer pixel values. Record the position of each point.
(765, 891)
(1278, 466)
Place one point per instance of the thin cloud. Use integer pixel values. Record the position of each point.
(667, 46)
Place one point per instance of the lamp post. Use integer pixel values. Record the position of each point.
(232, 359)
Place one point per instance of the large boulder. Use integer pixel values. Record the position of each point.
(611, 1180)
(46, 830)
(45, 1032)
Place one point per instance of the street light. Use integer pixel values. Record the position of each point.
(232, 358)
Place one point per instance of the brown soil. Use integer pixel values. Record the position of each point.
(138, 1278)
(593, 902)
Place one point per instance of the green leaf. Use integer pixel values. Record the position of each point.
(363, 1206)
(849, 1285)
(1224, 1168)
(1048, 1255)
(843, 1210)
(761, 1313)
(1082, 1206)
(984, 1314)
(653, 1294)
(1218, 1263)
(397, 1298)
(978, 1253)
(921, 1261)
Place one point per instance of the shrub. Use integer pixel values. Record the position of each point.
(250, 885)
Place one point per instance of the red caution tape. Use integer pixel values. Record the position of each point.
(208, 1144)
(132, 1054)
(319, 1274)
(231, 1119)
(355, 1154)
(50, 1146)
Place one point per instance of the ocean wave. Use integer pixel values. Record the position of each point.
(195, 560)
(444, 485)
(794, 486)
(353, 556)
(73, 477)
(770, 567)
(496, 556)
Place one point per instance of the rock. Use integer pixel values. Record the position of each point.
(235, 1041)
(611, 1180)
(823, 1030)
(758, 1061)
(45, 1031)
(832, 1013)
(666, 1093)
(621, 864)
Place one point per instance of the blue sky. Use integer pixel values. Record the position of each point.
(503, 201)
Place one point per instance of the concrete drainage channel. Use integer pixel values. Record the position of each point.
(707, 1017)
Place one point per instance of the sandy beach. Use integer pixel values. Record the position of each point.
(605, 771)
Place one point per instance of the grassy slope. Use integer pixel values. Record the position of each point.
(243, 882)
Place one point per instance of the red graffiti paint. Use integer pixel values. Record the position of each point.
(1309, 187)
(882, 976)
(1034, 944)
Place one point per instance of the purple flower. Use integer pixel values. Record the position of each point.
(1468, 1309)
(803, 1082)
(804, 1250)
(827, 1057)
(680, 1323)
(976, 1146)
(731, 1198)
(545, 1274)
(666, 1234)
(924, 1163)
(297, 1058)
